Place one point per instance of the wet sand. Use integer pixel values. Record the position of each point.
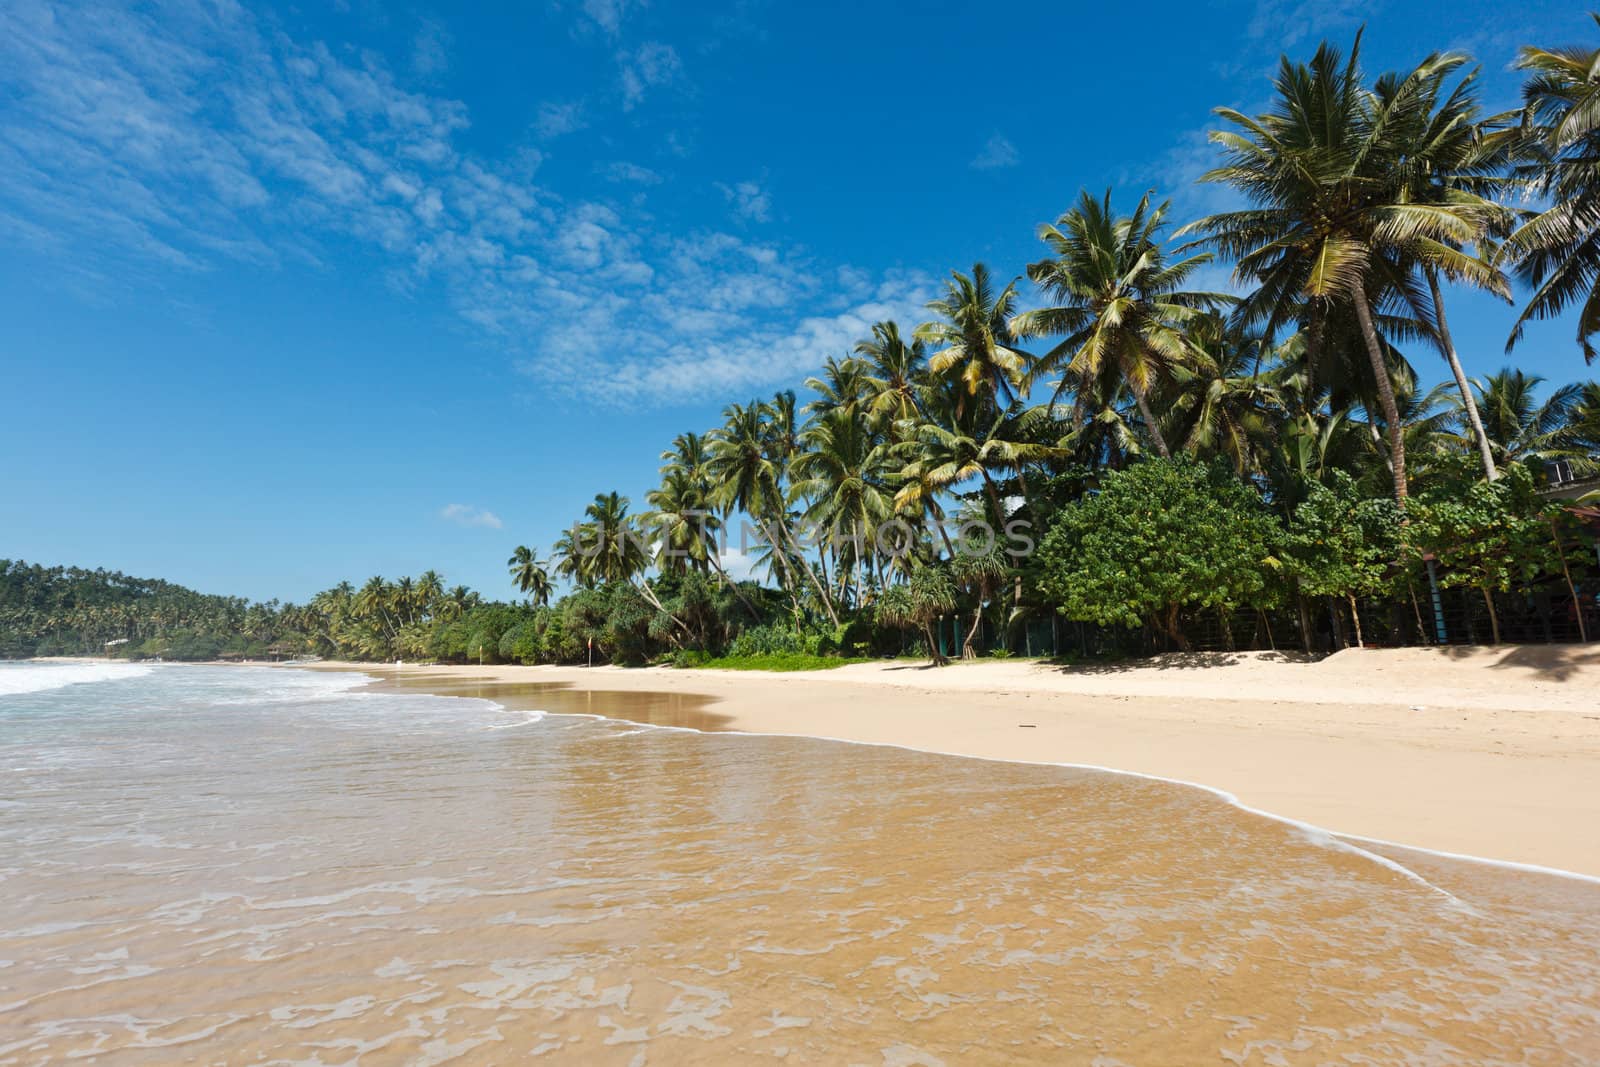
(1486, 753)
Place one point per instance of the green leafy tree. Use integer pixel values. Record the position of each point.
(1158, 538)
(1489, 536)
(1343, 544)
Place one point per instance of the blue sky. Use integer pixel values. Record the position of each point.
(296, 294)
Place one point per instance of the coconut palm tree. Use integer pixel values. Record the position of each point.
(430, 587)
(843, 384)
(895, 369)
(617, 553)
(529, 575)
(1332, 230)
(844, 473)
(1218, 401)
(1454, 154)
(1118, 301)
(1521, 427)
(1557, 252)
(973, 341)
(746, 462)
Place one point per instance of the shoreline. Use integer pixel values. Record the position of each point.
(1501, 766)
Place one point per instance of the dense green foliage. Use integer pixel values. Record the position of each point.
(1159, 538)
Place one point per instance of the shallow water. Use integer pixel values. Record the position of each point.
(226, 865)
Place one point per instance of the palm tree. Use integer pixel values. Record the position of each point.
(1118, 301)
(745, 462)
(1558, 251)
(974, 341)
(842, 384)
(895, 369)
(1219, 401)
(1522, 428)
(1453, 155)
(618, 554)
(1332, 229)
(946, 456)
(844, 473)
(430, 587)
(529, 575)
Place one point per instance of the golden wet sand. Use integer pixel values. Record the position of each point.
(480, 886)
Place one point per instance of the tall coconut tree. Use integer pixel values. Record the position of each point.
(1330, 231)
(972, 340)
(1557, 252)
(1118, 301)
(1442, 217)
(745, 462)
(844, 474)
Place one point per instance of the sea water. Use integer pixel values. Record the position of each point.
(270, 866)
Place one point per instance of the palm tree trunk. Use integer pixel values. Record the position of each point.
(1143, 400)
(1494, 616)
(822, 590)
(1355, 615)
(977, 620)
(1566, 572)
(1391, 411)
(1468, 402)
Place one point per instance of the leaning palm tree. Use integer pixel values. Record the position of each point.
(1118, 301)
(745, 463)
(1331, 232)
(973, 340)
(1557, 252)
(1454, 154)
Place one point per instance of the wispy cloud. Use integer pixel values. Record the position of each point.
(430, 49)
(556, 119)
(651, 65)
(749, 201)
(137, 149)
(467, 515)
(997, 153)
(630, 173)
(1288, 22)
(607, 15)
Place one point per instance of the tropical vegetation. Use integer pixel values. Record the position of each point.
(1262, 460)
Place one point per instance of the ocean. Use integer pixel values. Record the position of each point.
(275, 866)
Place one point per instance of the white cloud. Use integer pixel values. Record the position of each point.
(1287, 22)
(467, 515)
(430, 49)
(607, 15)
(651, 65)
(750, 202)
(558, 119)
(630, 173)
(997, 153)
(138, 149)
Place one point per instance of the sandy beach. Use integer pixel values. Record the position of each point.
(1489, 753)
